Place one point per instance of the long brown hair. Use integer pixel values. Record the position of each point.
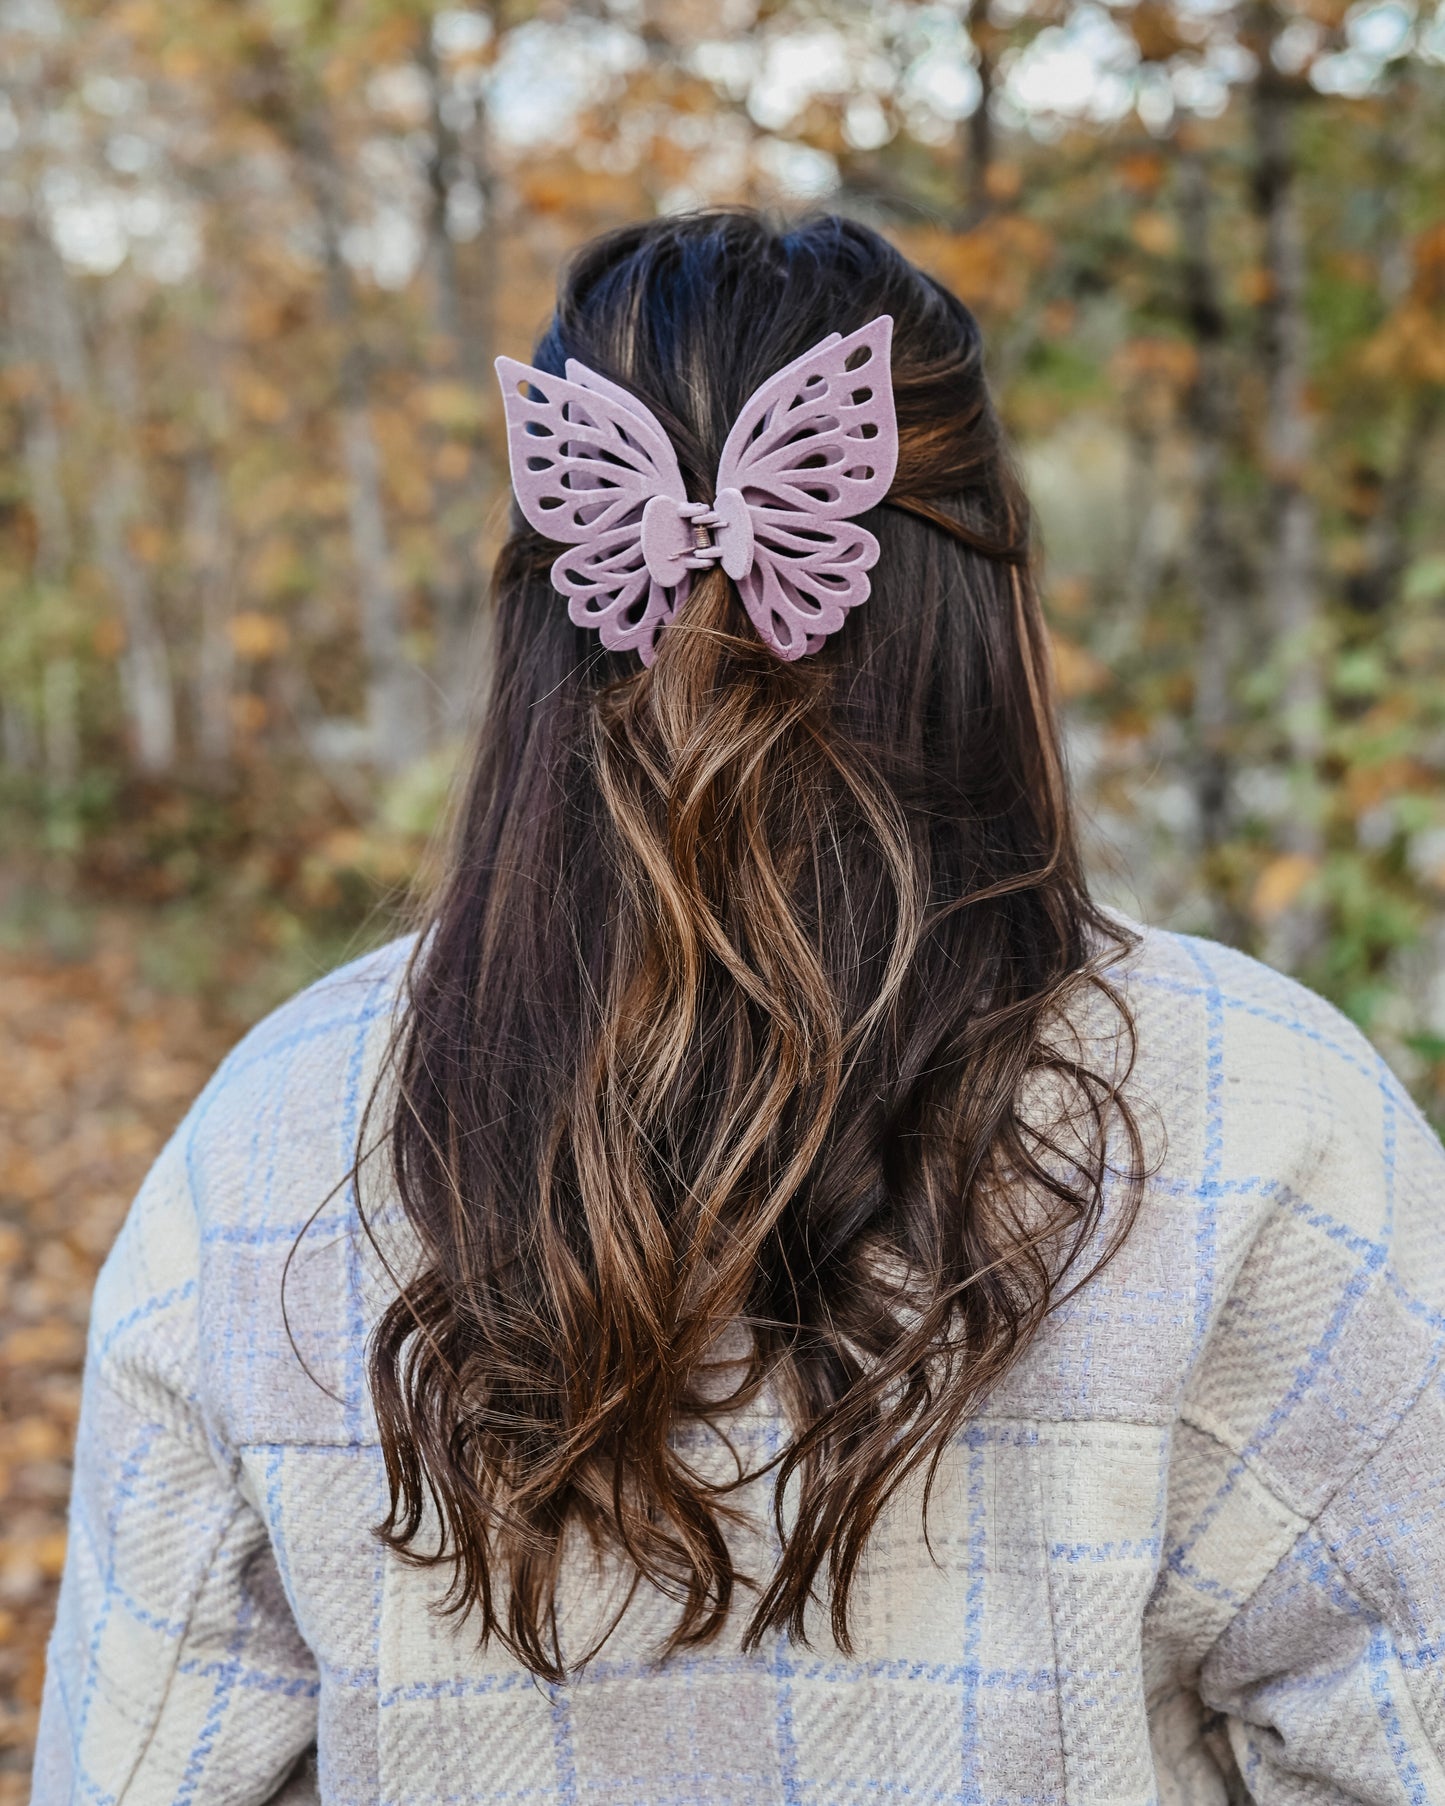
(731, 1007)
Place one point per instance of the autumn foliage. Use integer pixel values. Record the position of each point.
(257, 259)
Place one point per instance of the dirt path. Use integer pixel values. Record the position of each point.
(95, 1071)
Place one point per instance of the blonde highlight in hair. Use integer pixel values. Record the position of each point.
(737, 1004)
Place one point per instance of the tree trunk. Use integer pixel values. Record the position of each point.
(54, 556)
(1146, 527)
(39, 333)
(145, 673)
(1376, 584)
(978, 138)
(208, 564)
(395, 703)
(1291, 566)
(1207, 415)
(462, 338)
(60, 714)
(1387, 541)
(17, 736)
(45, 481)
(1292, 559)
(117, 507)
(394, 708)
(53, 325)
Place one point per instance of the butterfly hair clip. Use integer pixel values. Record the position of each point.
(814, 447)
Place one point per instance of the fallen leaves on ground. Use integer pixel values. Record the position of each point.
(96, 1068)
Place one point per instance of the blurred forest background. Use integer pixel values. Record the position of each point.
(255, 259)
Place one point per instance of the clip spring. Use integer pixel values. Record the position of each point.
(705, 552)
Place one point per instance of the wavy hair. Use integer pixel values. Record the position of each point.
(744, 1002)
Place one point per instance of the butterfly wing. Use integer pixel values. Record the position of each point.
(609, 587)
(815, 446)
(805, 576)
(586, 459)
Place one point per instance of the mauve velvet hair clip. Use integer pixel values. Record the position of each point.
(816, 445)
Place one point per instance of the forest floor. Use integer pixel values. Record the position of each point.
(96, 1068)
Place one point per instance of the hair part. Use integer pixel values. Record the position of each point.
(746, 1001)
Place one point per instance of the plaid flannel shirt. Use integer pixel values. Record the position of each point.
(1192, 1549)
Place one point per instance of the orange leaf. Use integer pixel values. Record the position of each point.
(147, 541)
(1140, 172)
(452, 462)
(108, 637)
(262, 400)
(1280, 883)
(1003, 181)
(257, 636)
(1155, 233)
(248, 713)
(1076, 670)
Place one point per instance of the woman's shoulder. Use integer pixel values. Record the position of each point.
(276, 1129)
(293, 1086)
(1216, 976)
(1311, 1186)
(255, 1193)
(1254, 1059)
(321, 1025)
(1289, 1240)
(302, 1074)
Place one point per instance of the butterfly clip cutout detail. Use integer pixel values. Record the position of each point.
(815, 446)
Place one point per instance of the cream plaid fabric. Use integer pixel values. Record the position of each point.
(1192, 1551)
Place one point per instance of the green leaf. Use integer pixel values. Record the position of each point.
(1425, 579)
